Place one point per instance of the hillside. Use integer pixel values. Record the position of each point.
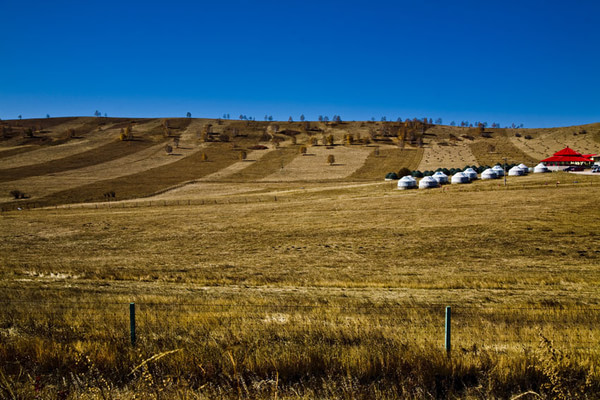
(81, 159)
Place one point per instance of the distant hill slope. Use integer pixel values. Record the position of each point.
(63, 160)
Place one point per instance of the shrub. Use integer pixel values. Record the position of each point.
(404, 172)
(391, 175)
(528, 137)
(517, 134)
(417, 174)
(17, 194)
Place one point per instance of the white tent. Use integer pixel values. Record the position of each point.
(470, 173)
(440, 177)
(498, 170)
(489, 174)
(516, 171)
(407, 182)
(540, 168)
(427, 183)
(525, 168)
(460, 177)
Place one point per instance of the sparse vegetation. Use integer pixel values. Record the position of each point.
(17, 194)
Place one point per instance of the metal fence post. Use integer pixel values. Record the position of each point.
(132, 322)
(448, 330)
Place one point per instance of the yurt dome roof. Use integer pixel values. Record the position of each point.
(489, 174)
(427, 182)
(460, 177)
(516, 171)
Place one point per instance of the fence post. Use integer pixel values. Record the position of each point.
(447, 341)
(132, 322)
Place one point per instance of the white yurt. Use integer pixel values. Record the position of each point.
(407, 182)
(470, 173)
(540, 168)
(489, 174)
(460, 177)
(428, 182)
(516, 171)
(440, 177)
(498, 170)
(525, 168)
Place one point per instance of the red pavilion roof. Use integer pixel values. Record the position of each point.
(567, 151)
(567, 155)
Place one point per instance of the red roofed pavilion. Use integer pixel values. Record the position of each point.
(567, 157)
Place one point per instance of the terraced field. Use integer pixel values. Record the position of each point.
(55, 166)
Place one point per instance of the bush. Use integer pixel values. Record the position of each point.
(404, 172)
(17, 194)
(417, 174)
(528, 137)
(391, 175)
(517, 134)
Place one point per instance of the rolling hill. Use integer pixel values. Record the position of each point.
(80, 159)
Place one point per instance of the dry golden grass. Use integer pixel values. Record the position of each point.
(454, 155)
(329, 291)
(493, 150)
(314, 166)
(545, 142)
(390, 159)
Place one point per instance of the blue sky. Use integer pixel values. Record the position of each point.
(530, 62)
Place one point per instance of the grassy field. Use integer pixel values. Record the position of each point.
(324, 290)
(282, 276)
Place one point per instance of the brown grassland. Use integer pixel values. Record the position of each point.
(324, 288)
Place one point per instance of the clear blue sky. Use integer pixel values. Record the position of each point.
(530, 62)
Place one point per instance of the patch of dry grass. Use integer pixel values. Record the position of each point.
(330, 291)
(388, 160)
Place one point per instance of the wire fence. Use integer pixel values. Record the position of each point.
(496, 328)
(258, 198)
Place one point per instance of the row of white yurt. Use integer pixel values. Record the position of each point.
(540, 168)
(516, 171)
(499, 170)
(460, 177)
(525, 168)
(440, 177)
(428, 182)
(407, 182)
(470, 173)
(489, 174)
